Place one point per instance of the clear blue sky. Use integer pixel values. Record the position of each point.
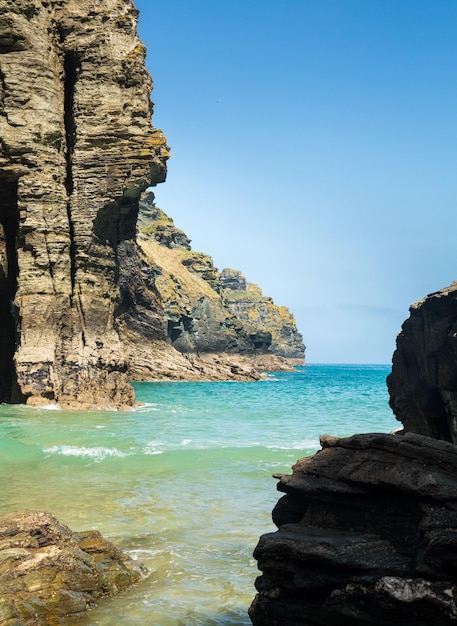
(314, 148)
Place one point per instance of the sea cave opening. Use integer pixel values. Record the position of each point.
(9, 271)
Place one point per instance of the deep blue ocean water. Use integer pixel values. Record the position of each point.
(184, 482)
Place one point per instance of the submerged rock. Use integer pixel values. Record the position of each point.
(49, 574)
(423, 382)
(367, 536)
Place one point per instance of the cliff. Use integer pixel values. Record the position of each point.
(83, 308)
(77, 149)
(208, 313)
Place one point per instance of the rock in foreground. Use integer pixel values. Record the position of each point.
(367, 535)
(49, 574)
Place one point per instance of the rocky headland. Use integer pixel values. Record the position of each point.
(80, 311)
(217, 325)
(367, 528)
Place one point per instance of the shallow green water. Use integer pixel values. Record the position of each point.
(184, 482)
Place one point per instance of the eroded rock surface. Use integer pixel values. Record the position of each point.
(77, 149)
(50, 575)
(423, 382)
(367, 535)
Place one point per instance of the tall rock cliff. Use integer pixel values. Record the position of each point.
(76, 151)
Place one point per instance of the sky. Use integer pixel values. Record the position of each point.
(314, 148)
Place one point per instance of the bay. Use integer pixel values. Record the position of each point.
(184, 481)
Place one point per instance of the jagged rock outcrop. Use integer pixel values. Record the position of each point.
(423, 382)
(270, 326)
(76, 151)
(208, 312)
(50, 575)
(367, 535)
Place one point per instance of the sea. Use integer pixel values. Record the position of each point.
(184, 482)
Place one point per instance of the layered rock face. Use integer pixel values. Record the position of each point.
(423, 382)
(50, 575)
(207, 311)
(77, 149)
(367, 535)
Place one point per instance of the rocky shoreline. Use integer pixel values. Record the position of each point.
(163, 363)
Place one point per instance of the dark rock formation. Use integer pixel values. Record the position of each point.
(208, 312)
(423, 382)
(367, 535)
(76, 151)
(50, 575)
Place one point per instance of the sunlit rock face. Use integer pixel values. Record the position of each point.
(77, 149)
(423, 382)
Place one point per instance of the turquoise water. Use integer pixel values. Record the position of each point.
(184, 482)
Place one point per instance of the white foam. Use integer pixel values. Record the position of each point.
(45, 407)
(146, 406)
(97, 453)
(152, 447)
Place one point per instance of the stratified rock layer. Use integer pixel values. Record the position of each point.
(423, 382)
(367, 536)
(50, 575)
(76, 150)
